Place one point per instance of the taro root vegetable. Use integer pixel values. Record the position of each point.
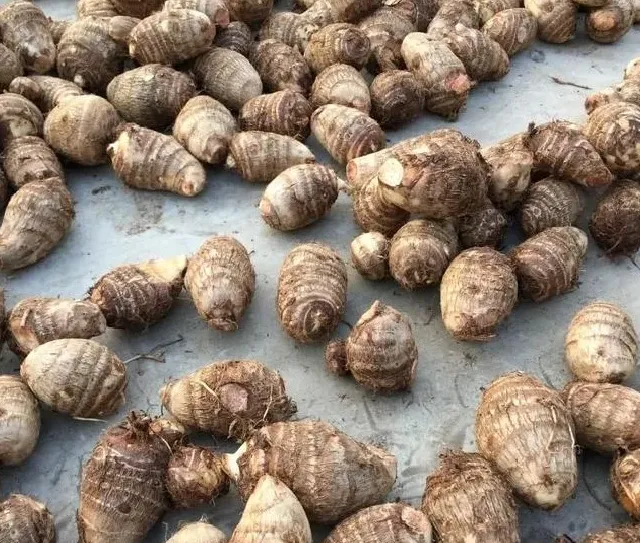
(29, 158)
(373, 213)
(34, 321)
(37, 217)
(341, 477)
(58, 28)
(557, 19)
(441, 73)
(614, 131)
(550, 202)
(135, 296)
(351, 11)
(312, 292)
(510, 162)
(548, 264)
(146, 159)
(524, 428)
(250, 12)
(610, 22)
(198, 532)
(370, 255)
(338, 43)
(259, 157)
(386, 522)
(560, 148)
(23, 519)
(421, 251)
(396, 98)
(299, 196)
(171, 37)
(96, 8)
(483, 228)
(625, 482)
(19, 421)
(281, 67)
(195, 477)
(615, 223)
(216, 10)
(18, 117)
(320, 14)
(25, 30)
(10, 67)
(221, 280)
(170, 430)
(45, 91)
(622, 534)
(284, 112)
(204, 127)
(80, 128)
(229, 399)
(380, 352)
(487, 9)
(627, 91)
(235, 37)
(513, 29)
(77, 377)
(601, 345)
(272, 509)
(605, 415)
(477, 292)
(151, 95)
(228, 77)
(343, 85)
(445, 179)
(463, 485)
(452, 13)
(122, 492)
(419, 12)
(137, 8)
(93, 51)
(346, 132)
(289, 28)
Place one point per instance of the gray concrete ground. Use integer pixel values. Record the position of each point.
(116, 225)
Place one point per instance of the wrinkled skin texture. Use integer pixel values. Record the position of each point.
(137, 8)
(198, 532)
(627, 91)
(623, 534)
(338, 43)
(235, 37)
(229, 399)
(77, 377)
(396, 98)
(281, 67)
(487, 9)
(95, 8)
(342, 475)
(451, 13)
(612, 21)
(284, 112)
(625, 482)
(484, 228)
(513, 29)
(29, 158)
(343, 85)
(370, 255)
(250, 11)
(312, 292)
(25, 520)
(221, 280)
(557, 19)
(373, 213)
(289, 28)
(10, 67)
(419, 12)
(19, 421)
(216, 10)
(524, 428)
(467, 500)
(18, 117)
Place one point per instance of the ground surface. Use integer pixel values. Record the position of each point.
(116, 225)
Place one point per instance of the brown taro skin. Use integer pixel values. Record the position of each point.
(524, 428)
(284, 112)
(10, 67)
(342, 475)
(29, 158)
(235, 37)
(396, 98)
(513, 29)
(373, 213)
(122, 491)
(229, 399)
(338, 43)
(25, 520)
(18, 117)
(557, 19)
(483, 228)
(370, 255)
(466, 499)
(251, 12)
(19, 421)
(216, 10)
(622, 534)
(625, 482)
(289, 28)
(312, 292)
(281, 67)
(343, 85)
(419, 12)
(389, 522)
(612, 21)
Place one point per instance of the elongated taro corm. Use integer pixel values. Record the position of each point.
(221, 280)
(450, 14)
(396, 98)
(419, 12)
(281, 67)
(557, 19)
(610, 22)
(285, 112)
(487, 9)
(235, 37)
(342, 475)
(513, 29)
(483, 228)
(229, 399)
(95, 8)
(250, 11)
(18, 117)
(19, 421)
(198, 532)
(320, 14)
(343, 85)
(373, 213)
(216, 10)
(370, 255)
(339, 43)
(24, 519)
(29, 158)
(289, 28)
(45, 91)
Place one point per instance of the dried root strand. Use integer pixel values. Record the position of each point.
(347, 475)
(195, 477)
(18, 117)
(281, 67)
(34, 321)
(483, 228)
(513, 29)
(289, 28)
(221, 280)
(373, 213)
(370, 255)
(625, 482)
(204, 127)
(229, 399)
(45, 91)
(299, 196)
(10, 67)
(216, 10)
(135, 296)
(487, 9)
(462, 484)
(343, 85)
(235, 37)
(251, 12)
(200, 532)
(478, 291)
(612, 21)
(557, 19)
(23, 518)
(36, 219)
(419, 12)
(550, 202)
(259, 157)
(601, 345)
(397, 97)
(339, 43)
(145, 159)
(312, 292)
(29, 158)
(524, 428)
(19, 423)
(77, 377)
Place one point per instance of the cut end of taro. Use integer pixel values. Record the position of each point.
(391, 173)
(230, 463)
